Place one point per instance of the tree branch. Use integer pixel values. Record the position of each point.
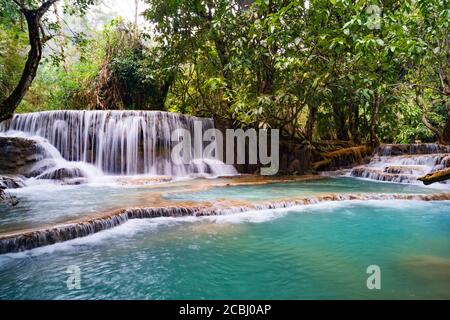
(44, 7)
(20, 5)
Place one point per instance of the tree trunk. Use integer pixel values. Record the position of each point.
(33, 18)
(436, 176)
(374, 120)
(311, 122)
(340, 122)
(9, 105)
(421, 105)
(446, 133)
(354, 122)
(444, 76)
(267, 75)
(432, 128)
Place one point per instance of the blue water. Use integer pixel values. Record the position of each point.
(320, 251)
(273, 191)
(47, 204)
(43, 205)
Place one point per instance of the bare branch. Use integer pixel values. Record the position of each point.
(21, 6)
(44, 7)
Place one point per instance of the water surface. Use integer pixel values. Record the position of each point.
(272, 191)
(319, 251)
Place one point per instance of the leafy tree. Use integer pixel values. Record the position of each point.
(33, 11)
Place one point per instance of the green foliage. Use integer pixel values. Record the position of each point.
(267, 63)
(317, 69)
(12, 58)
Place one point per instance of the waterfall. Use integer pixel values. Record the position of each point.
(118, 142)
(404, 163)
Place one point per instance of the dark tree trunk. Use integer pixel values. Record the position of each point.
(354, 122)
(340, 122)
(446, 132)
(223, 57)
(9, 105)
(164, 90)
(267, 76)
(33, 18)
(374, 120)
(438, 134)
(311, 123)
(432, 128)
(445, 83)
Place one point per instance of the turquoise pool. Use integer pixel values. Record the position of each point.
(272, 191)
(43, 205)
(320, 251)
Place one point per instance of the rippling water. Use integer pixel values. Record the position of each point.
(42, 205)
(320, 251)
(272, 191)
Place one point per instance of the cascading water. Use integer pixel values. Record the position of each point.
(50, 165)
(404, 163)
(118, 142)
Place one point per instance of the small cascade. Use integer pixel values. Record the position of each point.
(404, 163)
(116, 142)
(27, 240)
(50, 165)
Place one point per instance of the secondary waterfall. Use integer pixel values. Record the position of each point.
(117, 142)
(404, 163)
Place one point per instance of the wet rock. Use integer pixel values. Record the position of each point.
(74, 182)
(17, 155)
(6, 198)
(199, 167)
(397, 169)
(61, 174)
(7, 182)
(380, 175)
(40, 167)
(446, 162)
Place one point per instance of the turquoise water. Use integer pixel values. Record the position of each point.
(320, 251)
(272, 191)
(47, 204)
(43, 205)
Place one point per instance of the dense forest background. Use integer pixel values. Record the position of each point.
(319, 70)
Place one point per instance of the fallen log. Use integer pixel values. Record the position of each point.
(321, 164)
(434, 177)
(342, 158)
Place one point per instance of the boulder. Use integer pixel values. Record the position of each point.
(7, 182)
(17, 155)
(446, 162)
(6, 198)
(61, 174)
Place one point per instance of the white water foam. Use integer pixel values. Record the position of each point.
(401, 164)
(118, 142)
(131, 228)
